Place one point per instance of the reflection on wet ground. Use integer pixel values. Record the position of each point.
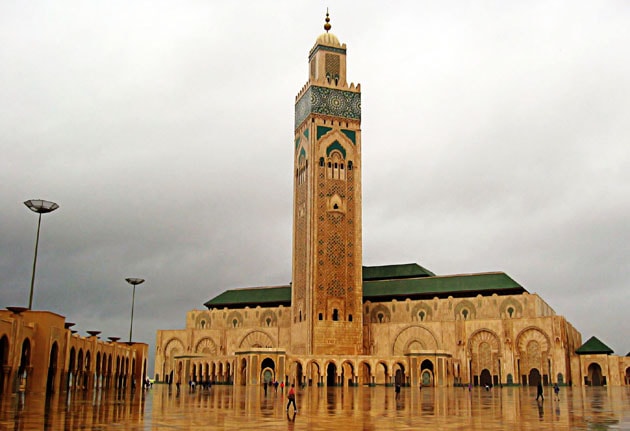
(240, 408)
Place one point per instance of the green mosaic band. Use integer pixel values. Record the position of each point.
(328, 101)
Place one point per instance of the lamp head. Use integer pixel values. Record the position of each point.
(41, 206)
(134, 281)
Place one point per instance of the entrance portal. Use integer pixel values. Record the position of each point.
(534, 377)
(485, 378)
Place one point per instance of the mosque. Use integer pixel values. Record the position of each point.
(339, 323)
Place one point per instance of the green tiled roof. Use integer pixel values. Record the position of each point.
(395, 271)
(253, 296)
(442, 286)
(405, 281)
(594, 347)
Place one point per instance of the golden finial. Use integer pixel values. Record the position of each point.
(327, 26)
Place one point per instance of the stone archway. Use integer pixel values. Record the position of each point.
(25, 363)
(52, 368)
(399, 374)
(331, 374)
(484, 350)
(414, 338)
(347, 373)
(243, 372)
(172, 348)
(4, 360)
(534, 377)
(256, 339)
(532, 347)
(426, 373)
(485, 378)
(267, 371)
(206, 345)
(595, 377)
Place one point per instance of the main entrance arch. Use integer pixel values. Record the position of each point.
(534, 377)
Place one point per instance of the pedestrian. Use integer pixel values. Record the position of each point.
(275, 386)
(556, 391)
(282, 387)
(291, 397)
(469, 387)
(265, 387)
(397, 390)
(539, 392)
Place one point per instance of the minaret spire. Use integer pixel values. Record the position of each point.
(327, 26)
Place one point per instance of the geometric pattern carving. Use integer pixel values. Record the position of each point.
(421, 308)
(380, 314)
(206, 345)
(483, 348)
(202, 321)
(529, 334)
(533, 346)
(483, 336)
(256, 339)
(411, 338)
(332, 65)
(268, 318)
(173, 348)
(517, 308)
(465, 310)
(328, 101)
(234, 319)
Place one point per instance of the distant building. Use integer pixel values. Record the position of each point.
(340, 323)
(40, 353)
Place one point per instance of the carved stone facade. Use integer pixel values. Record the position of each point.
(40, 353)
(339, 323)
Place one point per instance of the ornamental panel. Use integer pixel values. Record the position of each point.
(328, 101)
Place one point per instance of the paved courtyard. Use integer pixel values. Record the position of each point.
(339, 409)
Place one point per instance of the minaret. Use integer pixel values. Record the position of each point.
(326, 294)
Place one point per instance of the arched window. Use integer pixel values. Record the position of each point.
(335, 165)
(321, 316)
(335, 315)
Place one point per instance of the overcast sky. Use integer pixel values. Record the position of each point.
(496, 137)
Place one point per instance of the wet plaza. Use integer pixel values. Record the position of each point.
(321, 408)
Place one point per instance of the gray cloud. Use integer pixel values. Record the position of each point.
(494, 138)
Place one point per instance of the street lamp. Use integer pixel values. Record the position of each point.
(134, 282)
(40, 207)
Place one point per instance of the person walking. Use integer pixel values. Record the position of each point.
(291, 397)
(539, 392)
(397, 390)
(556, 391)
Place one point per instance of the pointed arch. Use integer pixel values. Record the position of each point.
(532, 333)
(256, 339)
(380, 314)
(206, 345)
(414, 338)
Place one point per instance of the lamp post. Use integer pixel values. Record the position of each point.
(40, 207)
(134, 282)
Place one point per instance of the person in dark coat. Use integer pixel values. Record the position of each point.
(539, 392)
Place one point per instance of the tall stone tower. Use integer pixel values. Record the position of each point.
(326, 294)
